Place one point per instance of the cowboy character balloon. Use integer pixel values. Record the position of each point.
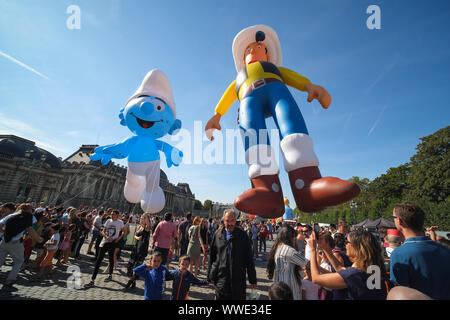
(261, 88)
(150, 114)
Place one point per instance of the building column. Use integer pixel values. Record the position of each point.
(106, 194)
(12, 185)
(98, 191)
(38, 191)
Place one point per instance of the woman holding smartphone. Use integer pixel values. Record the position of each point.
(364, 251)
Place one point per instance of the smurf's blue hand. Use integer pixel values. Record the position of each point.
(105, 158)
(100, 155)
(176, 156)
(117, 151)
(173, 155)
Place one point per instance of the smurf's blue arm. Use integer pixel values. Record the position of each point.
(118, 151)
(173, 155)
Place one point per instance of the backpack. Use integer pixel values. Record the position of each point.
(17, 224)
(185, 233)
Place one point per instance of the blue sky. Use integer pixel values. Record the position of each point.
(389, 87)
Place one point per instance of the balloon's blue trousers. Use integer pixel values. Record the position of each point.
(272, 99)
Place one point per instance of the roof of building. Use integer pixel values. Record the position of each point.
(12, 146)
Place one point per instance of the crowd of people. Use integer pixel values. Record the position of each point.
(305, 262)
(404, 263)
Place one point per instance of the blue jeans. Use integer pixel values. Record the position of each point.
(15, 249)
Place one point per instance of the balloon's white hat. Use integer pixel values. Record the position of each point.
(156, 84)
(248, 36)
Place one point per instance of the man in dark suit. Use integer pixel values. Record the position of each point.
(230, 260)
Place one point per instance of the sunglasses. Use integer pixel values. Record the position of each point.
(347, 242)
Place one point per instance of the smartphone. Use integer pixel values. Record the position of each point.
(316, 229)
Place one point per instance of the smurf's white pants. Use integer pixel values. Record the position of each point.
(142, 185)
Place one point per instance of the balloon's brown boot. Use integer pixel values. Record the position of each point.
(264, 199)
(312, 193)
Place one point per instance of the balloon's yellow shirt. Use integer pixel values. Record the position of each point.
(254, 72)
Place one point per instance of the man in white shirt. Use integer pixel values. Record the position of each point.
(12, 240)
(111, 236)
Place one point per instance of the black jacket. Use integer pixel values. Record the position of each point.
(228, 272)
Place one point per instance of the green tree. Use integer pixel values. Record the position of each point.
(436, 214)
(207, 205)
(364, 201)
(392, 184)
(389, 208)
(297, 212)
(376, 209)
(430, 168)
(304, 217)
(198, 205)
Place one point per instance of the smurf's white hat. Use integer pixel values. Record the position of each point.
(156, 84)
(248, 35)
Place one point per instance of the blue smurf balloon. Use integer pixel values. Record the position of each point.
(150, 114)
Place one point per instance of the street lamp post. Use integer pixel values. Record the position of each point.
(32, 163)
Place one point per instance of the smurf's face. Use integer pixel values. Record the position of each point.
(148, 116)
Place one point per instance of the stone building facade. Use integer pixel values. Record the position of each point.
(74, 181)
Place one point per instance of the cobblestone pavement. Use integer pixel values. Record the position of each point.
(55, 287)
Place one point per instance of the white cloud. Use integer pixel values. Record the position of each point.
(23, 65)
(25, 130)
(380, 115)
(381, 76)
(51, 146)
(17, 127)
(73, 133)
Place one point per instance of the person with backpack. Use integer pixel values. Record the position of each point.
(14, 226)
